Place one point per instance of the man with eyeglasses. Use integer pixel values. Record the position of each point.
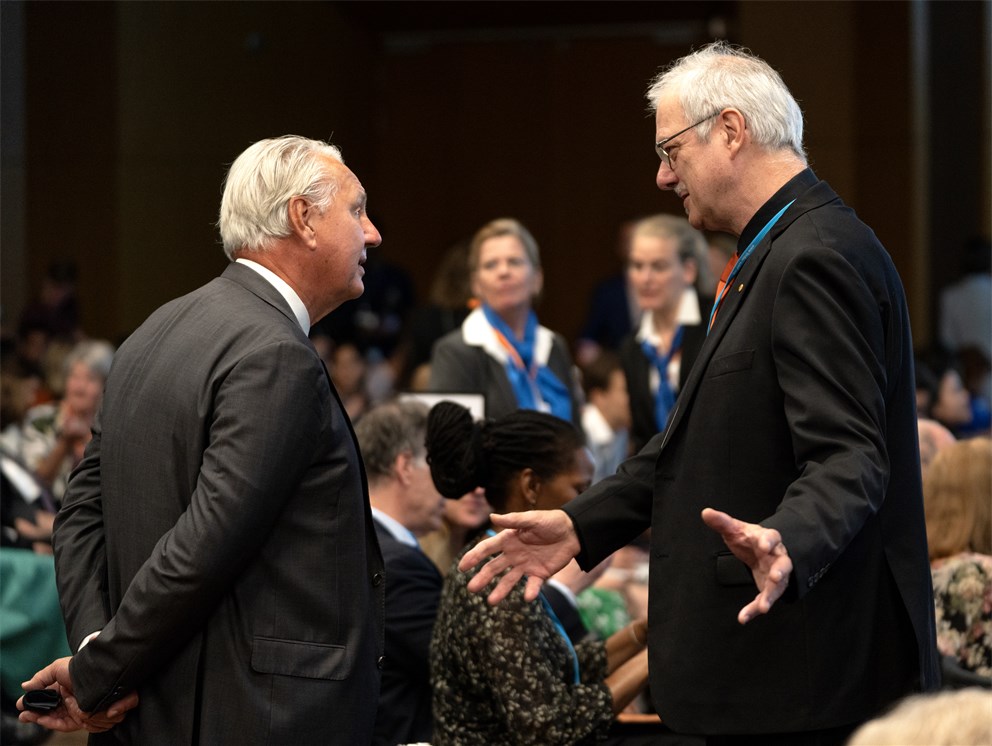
(789, 463)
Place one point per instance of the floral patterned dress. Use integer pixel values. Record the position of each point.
(962, 589)
(506, 675)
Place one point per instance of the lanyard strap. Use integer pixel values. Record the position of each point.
(722, 292)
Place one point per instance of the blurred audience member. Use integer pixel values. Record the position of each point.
(501, 351)
(509, 674)
(612, 311)
(952, 404)
(54, 435)
(965, 318)
(933, 438)
(405, 505)
(606, 414)
(962, 718)
(956, 498)
(374, 321)
(665, 268)
(56, 307)
(348, 371)
(448, 306)
(464, 519)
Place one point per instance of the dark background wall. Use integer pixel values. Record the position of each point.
(119, 120)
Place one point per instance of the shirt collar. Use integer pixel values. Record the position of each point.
(295, 304)
(793, 188)
(398, 531)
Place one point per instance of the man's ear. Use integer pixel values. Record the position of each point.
(403, 468)
(732, 129)
(300, 213)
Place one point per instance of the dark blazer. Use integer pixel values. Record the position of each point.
(413, 591)
(218, 532)
(637, 370)
(799, 413)
(460, 368)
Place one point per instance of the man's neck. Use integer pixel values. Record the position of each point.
(766, 174)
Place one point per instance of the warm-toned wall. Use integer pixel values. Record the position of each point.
(133, 110)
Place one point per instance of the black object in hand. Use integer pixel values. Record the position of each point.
(42, 700)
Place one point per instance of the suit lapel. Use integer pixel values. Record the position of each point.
(818, 195)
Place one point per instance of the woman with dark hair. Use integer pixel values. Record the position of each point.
(508, 674)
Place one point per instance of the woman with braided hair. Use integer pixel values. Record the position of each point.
(508, 674)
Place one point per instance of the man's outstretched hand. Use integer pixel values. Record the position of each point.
(762, 550)
(536, 543)
(68, 716)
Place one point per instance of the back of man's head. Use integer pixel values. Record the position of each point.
(720, 76)
(260, 183)
(387, 431)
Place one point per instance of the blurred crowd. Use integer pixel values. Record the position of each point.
(478, 334)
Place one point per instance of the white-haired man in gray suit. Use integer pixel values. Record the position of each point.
(217, 535)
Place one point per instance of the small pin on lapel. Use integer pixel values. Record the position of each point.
(740, 287)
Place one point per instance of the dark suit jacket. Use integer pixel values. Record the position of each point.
(413, 590)
(218, 532)
(460, 368)
(637, 370)
(799, 413)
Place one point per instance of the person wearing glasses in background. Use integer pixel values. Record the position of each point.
(789, 464)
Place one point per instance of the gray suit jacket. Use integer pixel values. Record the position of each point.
(218, 532)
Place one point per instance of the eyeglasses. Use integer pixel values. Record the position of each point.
(660, 145)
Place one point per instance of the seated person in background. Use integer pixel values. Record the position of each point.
(501, 351)
(666, 267)
(405, 504)
(54, 435)
(612, 311)
(961, 718)
(508, 674)
(606, 414)
(348, 371)
(464, 519)
(933, 438)
(959, 534)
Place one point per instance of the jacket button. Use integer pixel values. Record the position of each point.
(381, 662)
(377, 579)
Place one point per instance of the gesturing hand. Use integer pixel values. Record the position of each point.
(537, 543)
(762, 550)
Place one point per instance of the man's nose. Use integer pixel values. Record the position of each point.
(372, 236)
(666, 178)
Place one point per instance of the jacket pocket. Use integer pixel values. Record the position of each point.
(721, 366)
(311, 660)
(731, 571)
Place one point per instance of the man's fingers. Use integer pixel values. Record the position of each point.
(533, 588)
(479, 552)
(121, 706)
(504, 586)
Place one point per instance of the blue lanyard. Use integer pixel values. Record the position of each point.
(743, 258)
(561, 628)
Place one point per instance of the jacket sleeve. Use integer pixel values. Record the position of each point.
(269, 412)
(80, 549)
(828, 342)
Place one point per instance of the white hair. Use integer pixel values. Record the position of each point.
(96, 354)
(721, 76)
(260, 184)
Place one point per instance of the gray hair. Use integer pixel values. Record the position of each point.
(690, 243)
(96, 354)
(262, 181)
(387, 431)
(721, 76)
(503, 227)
